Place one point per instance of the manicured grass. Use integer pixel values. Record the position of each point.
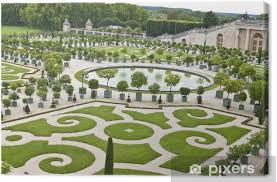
(232, 133)
(187, 154)
(123, 153)
(104, 112)
(16, 69)
(120, 131)
(128, 172)
(9, 77)
(156, 118)
(187, 121)
(40, 127)
(18, 155)
(13, 138)
(7, 30)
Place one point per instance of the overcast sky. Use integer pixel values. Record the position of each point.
(233, 6)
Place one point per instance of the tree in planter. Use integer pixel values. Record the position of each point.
(124, 51)
(216, 60)
(13, 86)
(107, 74)
(109, 158)
(231, 86)
(133, 57)
(32, 81)
(171, 80)
(242, 98)
(151, 57)
(258, 91)
(69, 91)
(56, 89)
(7, 104)
(66, 57)
(14, 97)
(219, 79)
(138, 80)
(247, 71)
(29, 91)
(168, 58)
(122, 86)
(65, 79)
(6, 85)
(115, 56)
(184, 92)
(42, 82)
(93, 85)
(42, 94)
(200, 91)
(154, 89)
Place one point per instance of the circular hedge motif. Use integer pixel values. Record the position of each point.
(129, 131)
(13, 138)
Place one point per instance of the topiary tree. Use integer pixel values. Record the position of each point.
(247, 70)
(184, 92)
(200, 91)
(154, 89)
(138, 80)
(107, 74)
(122, 86)
(220, 77)
(172, 80)
(242, 98)
(65, 79)
(69, 91)
(6, 103)
(13, 86)
(29, 91)
(93, 85)
(109, 158)
(14, 97)
(42, 82)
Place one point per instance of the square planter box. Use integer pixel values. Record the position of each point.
(107, 94)
(82, 96)
(66, 64)
(197, 63)
(93, 94)
(44, 98)
(187, 64)
(236, 98)
(82, 90)
(34, 61)
(13, 103)
(40, 105)
(199, 99)
(201, 66)
(56, 101)
(178, 63)
(122, 96)
(70, 98)
(219, 94)
(39, 63)
(30, 100)
(159, 62)
(252, 102)
(138, 96)
(226, 102)
(99, 60)
(215, 69)
(257, 108)
(210, 68)
(154, 98)
(6, 92)
(18, 90)
(184, 98)
(169, 97)
(241, 107)
(7, 112)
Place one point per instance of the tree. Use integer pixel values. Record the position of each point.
(122, 86)
(107, 74)
(138, 80)
(6, 103)
(29, 90)
(109, 158)
(220, 77)
(258, 90)
(232, 86)
(172, 80)
(154, 88)
(13, 86)
(210, 19)
(69, 90)
(184, 91)
(65, 79)
(247, 70)
(13, 97)
(242, 96)
(42, 82)
(200, 90)
(93, 84)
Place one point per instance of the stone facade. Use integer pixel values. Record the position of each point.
(245, 35)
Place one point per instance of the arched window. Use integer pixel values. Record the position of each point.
(184, 41)
(219, 40)
(257, 42)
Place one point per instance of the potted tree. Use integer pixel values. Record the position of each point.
(13, 96)
(138, 80)
(184, 92)
(229, 88)
(13, 86)
(257, 92)
(238, 87)
(200, 91)
(171, 80)
(154, 89)
(107, 74)
(65, 79)
(7, 104)
(122, 86)
(41, 93)
(242, 98)
(57, 89)
(93, 85)
(247, 71)
(69, 91)
(6, 85)
(29, 91)
(219, 79)
(66, 58)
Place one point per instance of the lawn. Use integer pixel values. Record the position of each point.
(18, 155)
(14, 69)
(156, 118)
(187, 121)
(232, 133)
(9, 77)
(123, 153)
(7, 30)
(118, 171)
(129, 131)
(12, 138)
(104, 112)
(187, 154)
(40, 127)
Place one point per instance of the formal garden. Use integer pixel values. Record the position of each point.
(96, 104)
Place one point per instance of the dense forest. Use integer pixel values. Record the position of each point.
(154, 20)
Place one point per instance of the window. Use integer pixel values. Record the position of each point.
(219, 40)
(257, 42)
